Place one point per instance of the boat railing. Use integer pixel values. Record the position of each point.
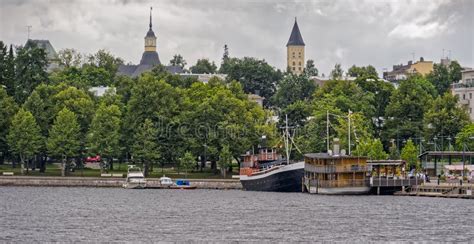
(328, 169)
(338, 183)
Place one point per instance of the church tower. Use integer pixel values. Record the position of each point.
(150, 56)
(295, 51)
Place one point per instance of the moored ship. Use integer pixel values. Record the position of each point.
(268, 171)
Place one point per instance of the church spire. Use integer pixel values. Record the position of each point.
(151, 8)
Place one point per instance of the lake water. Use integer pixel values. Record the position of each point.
(99, 214)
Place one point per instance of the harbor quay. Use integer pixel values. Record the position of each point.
(47, 181)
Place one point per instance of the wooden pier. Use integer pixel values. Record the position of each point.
(445, 190)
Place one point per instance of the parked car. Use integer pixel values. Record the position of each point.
(95, 159)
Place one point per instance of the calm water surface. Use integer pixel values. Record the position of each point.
(98, 214)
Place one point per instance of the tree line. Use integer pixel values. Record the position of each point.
(160, 118)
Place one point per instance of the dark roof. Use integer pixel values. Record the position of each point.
(136, 70)
(295, 38)
(150, 33)
(46, 45)
(328, 156)
(150, 58)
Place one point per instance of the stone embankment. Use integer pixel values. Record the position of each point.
(107, 182)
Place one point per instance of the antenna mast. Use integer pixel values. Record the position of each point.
(28, 27)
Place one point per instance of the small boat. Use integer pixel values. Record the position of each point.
(166, 182)
(135, 178)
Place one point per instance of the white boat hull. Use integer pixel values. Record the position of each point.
(356, 190)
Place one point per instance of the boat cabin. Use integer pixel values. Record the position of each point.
(335, 174)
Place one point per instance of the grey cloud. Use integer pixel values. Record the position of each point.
(360, 32)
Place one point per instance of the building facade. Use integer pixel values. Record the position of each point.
(295, 51)
(401, 72)
(464, 90)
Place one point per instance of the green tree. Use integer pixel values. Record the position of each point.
(256, 76)
(371, 148)
(8, 109)
(369, 70)
(455, 74)
(187, 162)
(178, 60)
(293, 88)
(394, 152)
(465, 138)
(104, 59)
(70, 58)
(337, 72)
(310, 69)
(30, 70)
(407, 108)
(225, 159)
(24, 137)
(204, 66)
(64, 138)
(410, 155)
(444, 117)
(104, 133)
(145, 146)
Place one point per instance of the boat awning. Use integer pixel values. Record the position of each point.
(387, 162)
(446, 154)
(458, 167)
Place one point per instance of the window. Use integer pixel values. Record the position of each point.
(300, 63)
(299, 55)
(294, 63)
(294, 68)
(470, 110)
(294, 54)
(299, 68)
(463, 96)
(470, 95)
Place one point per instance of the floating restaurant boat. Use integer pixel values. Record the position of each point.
(335, 174)
(135, 178)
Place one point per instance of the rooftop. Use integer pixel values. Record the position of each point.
(295, 38)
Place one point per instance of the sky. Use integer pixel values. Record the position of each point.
(361, 32)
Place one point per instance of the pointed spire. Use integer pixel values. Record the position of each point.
(151, 8)
(295, 38)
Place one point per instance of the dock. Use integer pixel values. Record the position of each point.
(444, 190)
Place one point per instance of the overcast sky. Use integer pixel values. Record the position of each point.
(361, 32)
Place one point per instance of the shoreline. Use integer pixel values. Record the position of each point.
(58, 181)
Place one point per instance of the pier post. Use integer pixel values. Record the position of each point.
(378, 190)
(403, 188)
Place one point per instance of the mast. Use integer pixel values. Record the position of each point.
(327, 131)
(151, 8)
(349, 128)
(287, 140)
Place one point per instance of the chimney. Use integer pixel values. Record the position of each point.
(410, 62)
(336, 146)
(422, 59)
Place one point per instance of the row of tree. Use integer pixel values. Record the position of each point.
(164, 118)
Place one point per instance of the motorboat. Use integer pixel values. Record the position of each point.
(166, 182)
(135, 178)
